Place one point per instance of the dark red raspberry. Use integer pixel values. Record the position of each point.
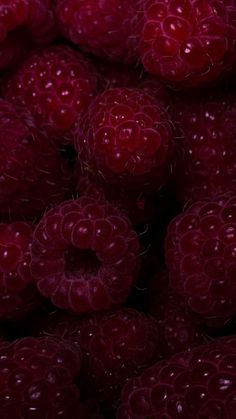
(33, 174)
(115, 346)
(141, 208)
(18, 294)
(85, 255)
(177, 329)
(196, 384)
(116, 75)
(187, 42)
(206, 134)
(38, 379)
(105, 28)
(200, 254)
(125, 138)
(56, 84)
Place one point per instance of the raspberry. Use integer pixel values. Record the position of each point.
(38, 379)
(206, 131)
(104, 28)
(56, 84)
(196, 384)
(177, 329)
(125, 138)
(187, 43)
(85, 255)
(200, 254)
(33, 175)
(115, 346)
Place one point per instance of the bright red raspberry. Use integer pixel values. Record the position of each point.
(200, 255)
(38, 379)
(115, 346)
(85, 255)
(206, 137)
(177, 328)
(187, 42)
(125, 139)
(33, 173)
(56, 84)
(18, 294)
(104, 28)
(197, 384)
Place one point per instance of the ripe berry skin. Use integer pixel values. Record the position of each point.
(37, 379)
(33, 174)
(206, 137)
(177, 329)
(188, 43)
(104, 28)
(195, 384)
(56, 84)
(115, 346)
(200, 254)
(18, 294)
(125, 139)
(85, 255)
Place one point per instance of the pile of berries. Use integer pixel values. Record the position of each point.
(117, 209)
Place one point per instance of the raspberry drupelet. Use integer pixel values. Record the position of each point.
(188, 43)
(56, 84)
(200, 254)
(115, 345)
(33, 173)
(85, 255)
(38, 379)
(197, 384)
(125, 139)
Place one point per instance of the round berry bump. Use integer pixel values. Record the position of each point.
(199, 383)
(188, 43)
(200, 255)
(33, 173)
(85, 255)
(18, 294)
(125, 138)
(56, 84)
(115, 345)
(104, 28)
(206, 134)
(38, 379)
